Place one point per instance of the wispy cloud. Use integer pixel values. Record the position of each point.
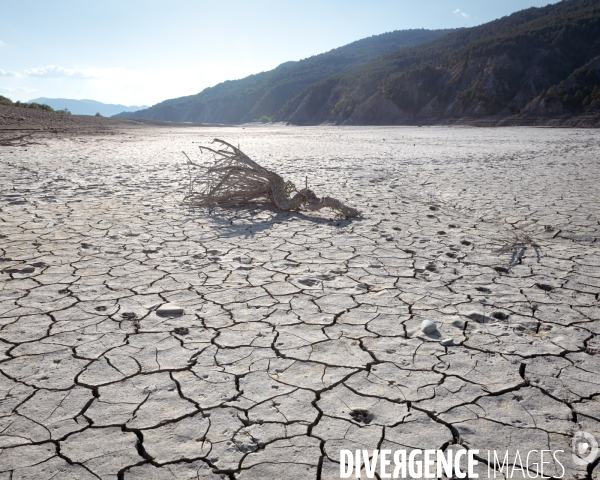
(2, 43)
(54, 71)
(17, 89)
(460, 13)
(5, 73)
(109, 84)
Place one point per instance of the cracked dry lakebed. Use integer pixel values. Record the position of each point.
(461, 311)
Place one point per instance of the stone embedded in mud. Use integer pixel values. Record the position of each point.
(479, 317)
(427, 326)
(309, 282)
(361, 415)
(169, 309)
(447, 342)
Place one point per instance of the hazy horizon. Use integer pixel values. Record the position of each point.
(140, 53)
(87, 106)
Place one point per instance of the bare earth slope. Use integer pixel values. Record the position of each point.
(301, 334)
(26, 126)
(38, 122)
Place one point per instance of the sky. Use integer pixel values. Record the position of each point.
(140, 52)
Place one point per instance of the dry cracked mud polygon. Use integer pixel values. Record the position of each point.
(301, 333)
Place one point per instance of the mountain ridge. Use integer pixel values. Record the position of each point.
(86, 106)
(498, 68)
(263, 94)
(519, 69)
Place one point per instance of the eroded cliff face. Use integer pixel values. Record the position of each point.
(482, 87)
(478, 88)
(544, 106)
(312, 109)
(580, 91)
(377, 110)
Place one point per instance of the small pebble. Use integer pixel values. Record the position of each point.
(446, 342)
(427, 326)
(169, 309)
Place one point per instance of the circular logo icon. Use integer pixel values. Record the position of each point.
(584, 447)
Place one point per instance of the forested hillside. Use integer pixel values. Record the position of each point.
(539, 61)
(262, 95)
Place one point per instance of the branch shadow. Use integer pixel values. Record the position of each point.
(250, 220)
(517, 246)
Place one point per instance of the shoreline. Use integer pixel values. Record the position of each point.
(16, 119)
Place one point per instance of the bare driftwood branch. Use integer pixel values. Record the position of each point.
(235, 180)
(517, 244)
(20, 140)
(7, 142)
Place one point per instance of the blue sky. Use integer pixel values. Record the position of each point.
(143, 51)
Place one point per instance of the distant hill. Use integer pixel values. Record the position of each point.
(536, 62)
(264, 94)
(86, 107)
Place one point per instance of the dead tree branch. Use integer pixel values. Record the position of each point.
(235, 180)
